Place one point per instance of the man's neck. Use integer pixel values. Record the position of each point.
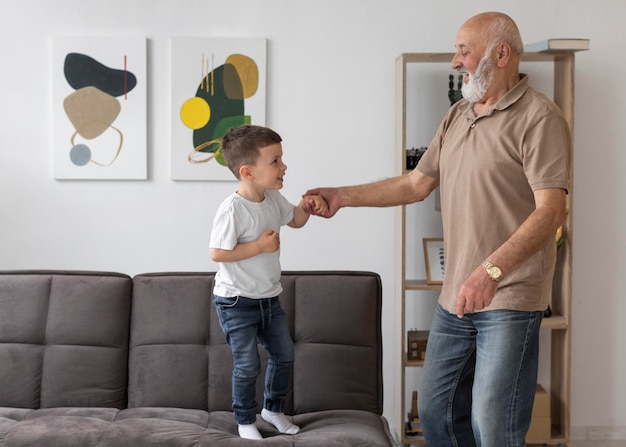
(495, 93)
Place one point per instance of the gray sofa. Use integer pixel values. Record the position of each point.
(103, 359)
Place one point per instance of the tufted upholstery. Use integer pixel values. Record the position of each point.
(102, 359)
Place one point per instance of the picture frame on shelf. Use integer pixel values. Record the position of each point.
(434, 260)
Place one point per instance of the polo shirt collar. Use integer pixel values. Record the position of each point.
(513, 95)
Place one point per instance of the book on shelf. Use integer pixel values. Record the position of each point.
(413, 427)
(568, 44)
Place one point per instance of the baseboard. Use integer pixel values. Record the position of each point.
(591, 433)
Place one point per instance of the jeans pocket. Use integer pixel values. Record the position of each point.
(225, 302)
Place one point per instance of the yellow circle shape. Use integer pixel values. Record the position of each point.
(195, 113)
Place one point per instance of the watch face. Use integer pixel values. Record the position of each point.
(495, 272)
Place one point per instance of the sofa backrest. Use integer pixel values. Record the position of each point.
(64, 339)
(179, 356)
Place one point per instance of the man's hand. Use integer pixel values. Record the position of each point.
(476, 292)
(330, 195)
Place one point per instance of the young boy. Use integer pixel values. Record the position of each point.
(245, 242)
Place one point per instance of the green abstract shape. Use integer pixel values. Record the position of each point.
(211, 89)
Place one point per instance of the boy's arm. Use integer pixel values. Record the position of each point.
(300, 213)
(269, 242)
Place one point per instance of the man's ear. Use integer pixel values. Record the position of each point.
(503, 54)
(245, 172)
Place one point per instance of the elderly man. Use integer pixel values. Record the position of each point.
(501, 159)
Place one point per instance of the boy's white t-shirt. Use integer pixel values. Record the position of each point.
(237, 221)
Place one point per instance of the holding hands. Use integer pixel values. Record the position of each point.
(323, 202)
(314, 204)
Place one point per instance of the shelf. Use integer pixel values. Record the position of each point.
(412, 363)
(555, 322)
(447, 57)
(413, 440)
(556, 439)
(420, 284)
(559, 324)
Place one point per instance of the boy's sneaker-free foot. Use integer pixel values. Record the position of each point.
(280, 421)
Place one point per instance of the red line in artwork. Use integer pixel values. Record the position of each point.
(125, 80)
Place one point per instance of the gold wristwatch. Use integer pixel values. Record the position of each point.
(494, 272)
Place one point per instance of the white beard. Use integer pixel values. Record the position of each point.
(478, 84)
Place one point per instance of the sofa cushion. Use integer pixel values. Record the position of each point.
(149, 427)
(337, 338)
(170, 341)
(138, 427)
(332, 428)
(178, 353)
(179, 357)
(64, 339)
(54, 427)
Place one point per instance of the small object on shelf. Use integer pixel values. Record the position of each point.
(413, 156)
(413, 430)
(416, 343)
(455, 95)
(434, 259)
(547, 313)
(557, 45)
(540, 424)
(414, 412)
(558, 237)
(413, 426)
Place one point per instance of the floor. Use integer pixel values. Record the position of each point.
(598, 444)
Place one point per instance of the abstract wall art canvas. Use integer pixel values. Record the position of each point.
(99, 108)
(217, 84)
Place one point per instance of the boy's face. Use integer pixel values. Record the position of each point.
(269, 169)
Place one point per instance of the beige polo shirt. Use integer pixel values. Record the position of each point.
(488, 167)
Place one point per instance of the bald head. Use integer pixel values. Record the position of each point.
(493, 28)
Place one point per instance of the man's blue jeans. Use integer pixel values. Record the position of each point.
(244, 320)
(478, 383)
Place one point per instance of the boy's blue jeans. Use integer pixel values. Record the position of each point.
(244, 320)
(478, 383)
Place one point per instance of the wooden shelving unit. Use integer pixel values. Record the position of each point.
(559, 324)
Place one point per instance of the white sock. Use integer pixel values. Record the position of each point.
(249, 431)
(279, 420)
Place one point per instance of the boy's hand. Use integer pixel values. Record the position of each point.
(330, 197)
(269, 241)
(315, 204)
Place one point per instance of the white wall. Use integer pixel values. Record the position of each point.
(330, 95)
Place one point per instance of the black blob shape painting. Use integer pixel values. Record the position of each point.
(99, 108)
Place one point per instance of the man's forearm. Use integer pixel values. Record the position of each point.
(531, 236)
(393, 191)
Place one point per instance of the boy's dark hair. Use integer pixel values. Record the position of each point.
(240, 145)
